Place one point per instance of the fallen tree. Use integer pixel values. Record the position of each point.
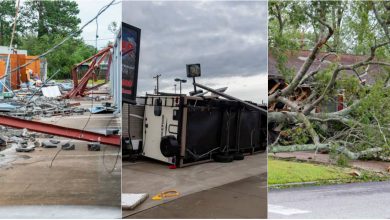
(362, 128)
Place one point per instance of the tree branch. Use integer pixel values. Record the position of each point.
(305, 67)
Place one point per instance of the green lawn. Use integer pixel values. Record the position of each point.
(282, 172)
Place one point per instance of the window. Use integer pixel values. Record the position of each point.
(157, 107)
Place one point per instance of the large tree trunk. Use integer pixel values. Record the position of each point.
(369, 153)
(297, 147)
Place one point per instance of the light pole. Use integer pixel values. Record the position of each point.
(180, 82)
(175, 88)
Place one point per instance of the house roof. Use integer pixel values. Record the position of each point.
(5, 50)
(297, 58)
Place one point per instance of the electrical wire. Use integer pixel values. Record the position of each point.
(39, 89)
(90, 113)
(55, 156)
(111, 38)
(65, 39)
(116, 160)
(56, 46)
(97, 34)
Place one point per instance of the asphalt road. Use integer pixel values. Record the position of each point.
(355, 200)
(246, 198)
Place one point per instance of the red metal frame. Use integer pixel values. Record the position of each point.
(59, 131)
(79, 87)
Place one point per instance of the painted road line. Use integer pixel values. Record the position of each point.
(277, 209)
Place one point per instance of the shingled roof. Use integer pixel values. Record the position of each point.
(297, 58)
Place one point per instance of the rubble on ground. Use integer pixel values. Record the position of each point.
(30, 102)
(94, 146)
(21, 140)
(39, 106)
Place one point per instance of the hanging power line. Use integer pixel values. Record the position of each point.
(110, 38)
(65, 39)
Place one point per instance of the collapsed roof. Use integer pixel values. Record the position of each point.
(297, 58)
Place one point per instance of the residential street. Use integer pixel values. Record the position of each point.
(355, 200)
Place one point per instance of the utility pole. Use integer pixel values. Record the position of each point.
(157, 77)
(175, 88)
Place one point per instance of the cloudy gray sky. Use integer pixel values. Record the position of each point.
(228, 39)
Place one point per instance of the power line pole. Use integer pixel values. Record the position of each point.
(157, 77)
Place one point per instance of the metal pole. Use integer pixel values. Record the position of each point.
(9, 52)
(157, 77)
(175, 88)
(180, 87)
(231, 97)
(60, 131)
(193, 78)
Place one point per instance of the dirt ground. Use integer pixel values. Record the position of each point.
(148, 176)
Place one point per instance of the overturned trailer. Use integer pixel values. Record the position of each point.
(184, 130)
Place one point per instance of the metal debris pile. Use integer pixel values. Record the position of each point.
(50, 101)
(39, 106)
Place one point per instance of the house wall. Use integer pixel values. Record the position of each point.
(21, 74)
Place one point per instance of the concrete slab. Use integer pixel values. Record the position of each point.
(77, 178)
(60, 212)
(147, 176)
(93, 123)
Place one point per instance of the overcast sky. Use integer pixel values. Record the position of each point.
(228, 39)
(88, 10)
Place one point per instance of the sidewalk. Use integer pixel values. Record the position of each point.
(152, 177)
(376, 166)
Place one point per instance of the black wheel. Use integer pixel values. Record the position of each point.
(169, 146)
(222, 158)
(238, 156)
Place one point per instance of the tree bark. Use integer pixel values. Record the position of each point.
(311, 147)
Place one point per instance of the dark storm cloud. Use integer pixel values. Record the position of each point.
(227, 38)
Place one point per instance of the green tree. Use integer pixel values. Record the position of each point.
(334, 28)
(51, 17)
(63, 59)
(7, 15)
(46, 23)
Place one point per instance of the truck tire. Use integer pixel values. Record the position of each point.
(238, 156)
(222, 158)
(169, 146)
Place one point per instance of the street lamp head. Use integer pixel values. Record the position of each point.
(181, 80)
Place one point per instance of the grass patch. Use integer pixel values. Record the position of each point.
(287, 172)
(282, 172)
